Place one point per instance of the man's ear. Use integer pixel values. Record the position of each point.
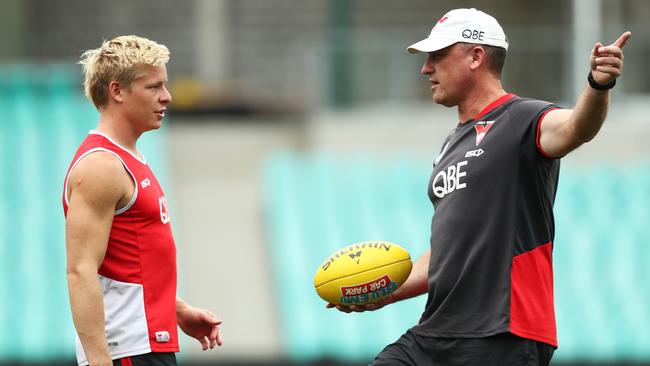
(479, 57)
(115, 91)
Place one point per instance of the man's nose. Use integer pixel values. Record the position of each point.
(166, 97)
(427, 67)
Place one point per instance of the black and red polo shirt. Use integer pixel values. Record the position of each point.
(492, 232)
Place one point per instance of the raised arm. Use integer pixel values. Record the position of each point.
(563, 130)
(96, 187)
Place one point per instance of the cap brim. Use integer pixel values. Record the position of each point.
(431, 45)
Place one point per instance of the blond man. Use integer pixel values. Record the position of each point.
(121, 255)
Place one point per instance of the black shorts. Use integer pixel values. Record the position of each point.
(148, 359)
(503, 349)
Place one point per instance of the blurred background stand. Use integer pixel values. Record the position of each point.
(301, 126)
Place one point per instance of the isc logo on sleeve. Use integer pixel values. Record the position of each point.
(449, 179)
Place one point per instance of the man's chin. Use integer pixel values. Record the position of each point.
(443, 101)
(155, 125)
(438, 100)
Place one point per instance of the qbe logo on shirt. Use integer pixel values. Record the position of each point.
(449, 179)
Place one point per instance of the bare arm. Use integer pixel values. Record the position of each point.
(97, 186)
(563, 130)
(415, 285)
(418, 281)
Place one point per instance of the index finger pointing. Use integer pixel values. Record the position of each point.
(620, 42)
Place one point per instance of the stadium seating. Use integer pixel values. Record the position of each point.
(318, 203)
(314, 204)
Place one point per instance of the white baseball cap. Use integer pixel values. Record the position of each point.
(462, 25)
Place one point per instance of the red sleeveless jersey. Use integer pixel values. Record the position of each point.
(138, 274)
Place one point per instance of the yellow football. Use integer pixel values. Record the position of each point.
(362, 273)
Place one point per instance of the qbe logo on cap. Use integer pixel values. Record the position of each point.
(162, 337)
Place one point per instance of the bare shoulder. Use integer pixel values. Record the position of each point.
(99, 178)
(96, 187)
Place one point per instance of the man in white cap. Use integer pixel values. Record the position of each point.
(488, 273)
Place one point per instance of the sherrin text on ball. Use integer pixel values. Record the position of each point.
(362, 273)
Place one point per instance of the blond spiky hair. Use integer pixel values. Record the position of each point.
(119, 59)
